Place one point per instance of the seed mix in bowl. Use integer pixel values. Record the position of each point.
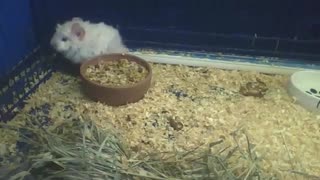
(116, 73)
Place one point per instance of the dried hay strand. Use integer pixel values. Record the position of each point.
(78, 149)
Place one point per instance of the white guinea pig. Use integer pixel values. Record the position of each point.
(79, 40)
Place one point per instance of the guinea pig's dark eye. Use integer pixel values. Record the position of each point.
(64, 39)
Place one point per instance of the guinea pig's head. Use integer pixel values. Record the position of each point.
(68, 35)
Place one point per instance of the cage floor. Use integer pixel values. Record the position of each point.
(187, 107)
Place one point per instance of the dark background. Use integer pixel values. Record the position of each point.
(288, 28)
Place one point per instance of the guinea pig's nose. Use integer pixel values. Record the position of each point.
(54, 45)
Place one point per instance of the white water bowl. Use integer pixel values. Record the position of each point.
(305, 87)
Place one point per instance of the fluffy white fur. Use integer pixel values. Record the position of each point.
(97, 39)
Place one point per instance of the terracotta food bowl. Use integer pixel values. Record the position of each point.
(115, 95)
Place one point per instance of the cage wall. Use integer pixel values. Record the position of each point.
(17, 37)
(270, 28)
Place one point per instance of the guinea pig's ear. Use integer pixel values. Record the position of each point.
(78, 30)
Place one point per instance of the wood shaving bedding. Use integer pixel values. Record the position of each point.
(116, 73)
(207, 105)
